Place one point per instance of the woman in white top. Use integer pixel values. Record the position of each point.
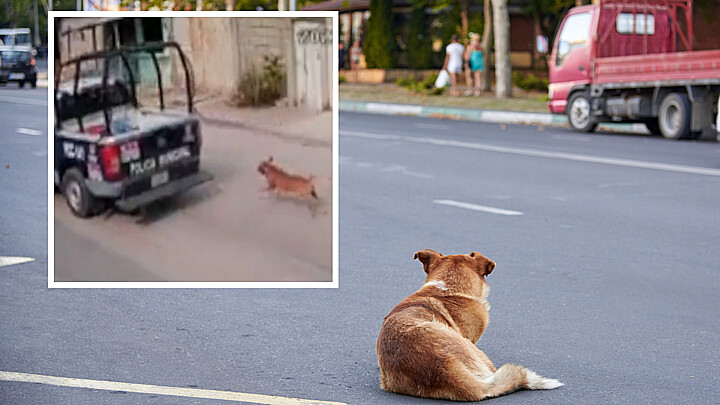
(453, 62)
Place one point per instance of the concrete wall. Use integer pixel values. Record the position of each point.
(223, 49)
(314, 62)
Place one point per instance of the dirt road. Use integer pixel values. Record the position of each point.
(225, 230)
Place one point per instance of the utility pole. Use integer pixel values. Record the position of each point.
(78, 5)
(293, 5)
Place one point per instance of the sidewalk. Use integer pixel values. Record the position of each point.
(289, 123)
(530, 111)
(42, 79)
(489, 116)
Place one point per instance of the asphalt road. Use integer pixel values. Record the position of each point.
(607, 281)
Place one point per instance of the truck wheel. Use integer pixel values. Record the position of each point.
(579, 113)
(78, 197)
(674, 116)
(21, 84)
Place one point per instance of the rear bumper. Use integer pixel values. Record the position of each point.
(130, 194)
(28, 77)
(164, 191)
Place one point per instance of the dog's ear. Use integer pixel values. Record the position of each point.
(483, 265)
(427, 257)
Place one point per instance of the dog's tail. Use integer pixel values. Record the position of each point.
(313, 193)
(511, 377)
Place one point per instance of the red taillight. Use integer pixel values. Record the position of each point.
(112, 167)
(32, 62)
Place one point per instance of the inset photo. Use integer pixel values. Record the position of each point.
(193, 151)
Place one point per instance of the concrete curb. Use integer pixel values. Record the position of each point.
(466, 114)
(42, 83)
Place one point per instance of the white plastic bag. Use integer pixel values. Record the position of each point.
(442, 79)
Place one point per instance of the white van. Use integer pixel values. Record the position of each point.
(15, 37)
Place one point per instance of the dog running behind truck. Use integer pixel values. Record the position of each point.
(280, 180)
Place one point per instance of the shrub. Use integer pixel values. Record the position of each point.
(425, 86)
(529, 82)
(406, 81)
(262, 86)
(341, 79)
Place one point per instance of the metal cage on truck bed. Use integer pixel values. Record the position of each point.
(79, 104)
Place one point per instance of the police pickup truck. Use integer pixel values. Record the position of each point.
(109, 148)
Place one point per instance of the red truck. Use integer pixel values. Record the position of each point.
(632, 61)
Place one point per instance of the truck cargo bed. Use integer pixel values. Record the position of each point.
(666, 69)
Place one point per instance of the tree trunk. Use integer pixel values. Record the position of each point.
(464, 11)
(229, 5)
(503, 68)
(487, 45)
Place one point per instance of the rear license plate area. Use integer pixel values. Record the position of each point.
(159, 179)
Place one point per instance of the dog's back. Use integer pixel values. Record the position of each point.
(426, 345)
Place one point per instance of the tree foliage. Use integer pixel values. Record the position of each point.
(419, 46)
(379, 35)
(548, 14)
(19, 14)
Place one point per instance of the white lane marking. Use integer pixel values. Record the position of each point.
(403, 170)
(20, 100)
(10, 260)
(40, 153)
(541, 153)
(475, 207)
(431, 126)
(158, 389)
(28, 131)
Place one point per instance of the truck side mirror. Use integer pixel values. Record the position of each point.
(541, 44)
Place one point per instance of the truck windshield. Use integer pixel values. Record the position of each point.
(11, 57)
(15, 39)
(575, 33)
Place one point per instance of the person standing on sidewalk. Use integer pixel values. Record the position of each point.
(454, 63)
(355, 55)
(474, 55)
(341, 56)
(466, 68)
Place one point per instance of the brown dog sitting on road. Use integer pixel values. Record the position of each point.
(280, 180)
(426, 346)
